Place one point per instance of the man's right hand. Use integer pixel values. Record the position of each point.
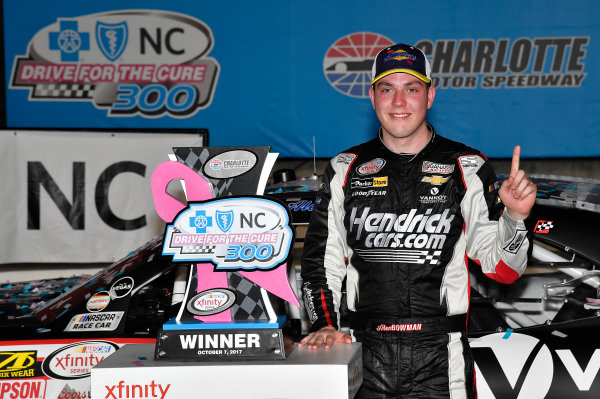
(325, 337)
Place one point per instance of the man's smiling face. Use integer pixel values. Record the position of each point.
(401, 102)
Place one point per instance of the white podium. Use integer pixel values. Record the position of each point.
(132, 372)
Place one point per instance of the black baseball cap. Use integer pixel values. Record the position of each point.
(401, 58)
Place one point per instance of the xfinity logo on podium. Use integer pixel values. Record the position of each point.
(123, 390)
(519, 366)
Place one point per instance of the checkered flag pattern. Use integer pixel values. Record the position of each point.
(196, 161)
(249, 304)
(433, 259)
(84, 91)
(545, 225)
(198, 249)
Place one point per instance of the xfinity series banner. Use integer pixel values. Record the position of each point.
(80, 197)
(60, 368)
(282, 73)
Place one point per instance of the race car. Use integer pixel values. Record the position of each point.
(536, 338)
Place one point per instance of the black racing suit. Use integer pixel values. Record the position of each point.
(399, 228)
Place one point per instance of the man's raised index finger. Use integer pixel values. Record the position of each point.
(514, 166)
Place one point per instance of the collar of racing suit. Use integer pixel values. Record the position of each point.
(408, 157)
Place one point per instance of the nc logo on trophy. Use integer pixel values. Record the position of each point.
(237, 245)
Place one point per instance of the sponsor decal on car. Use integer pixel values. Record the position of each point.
(122, 287)
(107, 321)
(21, 383)
(511, 365)
(23, 389)
(17, 364)
(543, 226)
(98, 301)
(69, 393)
(76, 360)
(301, 206)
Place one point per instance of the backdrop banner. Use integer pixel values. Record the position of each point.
(278, 73)
(81, 197)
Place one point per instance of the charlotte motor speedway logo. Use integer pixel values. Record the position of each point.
(469, 63)
(132, 62)
(348, 62)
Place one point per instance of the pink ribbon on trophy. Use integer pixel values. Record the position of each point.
(198, 189)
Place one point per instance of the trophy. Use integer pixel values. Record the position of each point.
(237, 243)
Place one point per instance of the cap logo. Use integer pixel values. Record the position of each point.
(400, 55)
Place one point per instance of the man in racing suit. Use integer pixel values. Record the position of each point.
(397, 217)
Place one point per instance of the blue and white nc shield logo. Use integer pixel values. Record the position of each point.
(224, 220)
(111, 38)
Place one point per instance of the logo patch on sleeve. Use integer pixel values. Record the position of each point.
(516, 242)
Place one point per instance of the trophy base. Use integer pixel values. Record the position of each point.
(196, 341)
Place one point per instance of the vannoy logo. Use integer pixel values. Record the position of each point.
(525, 362)
(519, 366)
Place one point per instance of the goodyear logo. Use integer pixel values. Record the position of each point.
(435, 180)
(17, 364)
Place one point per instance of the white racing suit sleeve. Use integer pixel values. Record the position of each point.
(498, 245)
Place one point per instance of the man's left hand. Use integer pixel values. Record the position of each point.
(518, 192)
